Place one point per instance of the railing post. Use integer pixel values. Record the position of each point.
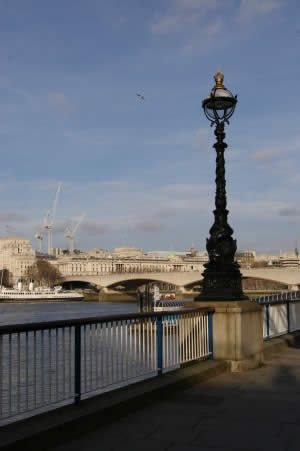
(288, 316)
(210, 335)
(77, 364)
(159, 341)
(267, 321)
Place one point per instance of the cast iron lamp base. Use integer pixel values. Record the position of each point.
(221, 284)
(222, 280)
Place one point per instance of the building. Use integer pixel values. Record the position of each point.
(289, 260)
(248, 258)
(127, 251)
(16, 255)
(127, 260)
(245, 258)
(269, 259)
(96, 253)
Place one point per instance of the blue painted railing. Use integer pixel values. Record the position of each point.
(281, 313)
(46, 365)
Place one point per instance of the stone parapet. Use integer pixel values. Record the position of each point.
(237, 332)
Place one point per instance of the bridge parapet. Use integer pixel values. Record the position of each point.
(288, 276)
(107, 280)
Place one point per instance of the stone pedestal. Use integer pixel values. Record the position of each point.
(237, 332)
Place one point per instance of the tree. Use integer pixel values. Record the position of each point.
(260, 264)
(44, 273)
(4, 277)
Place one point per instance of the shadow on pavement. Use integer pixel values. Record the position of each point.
(256, 410)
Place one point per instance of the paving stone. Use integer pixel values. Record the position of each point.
(179, 447)
(113, 439)
(194, 398)
(290, 433)
(159, 418)
(183, 435)
(240, 435)
(146, 445)
(254, 411)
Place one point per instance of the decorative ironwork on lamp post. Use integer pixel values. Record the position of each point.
(222, 280)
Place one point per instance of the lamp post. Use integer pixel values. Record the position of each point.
(222, 280)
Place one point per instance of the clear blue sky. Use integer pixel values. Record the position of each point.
(143, 171)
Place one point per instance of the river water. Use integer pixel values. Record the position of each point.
(37, 369)
(18, 313)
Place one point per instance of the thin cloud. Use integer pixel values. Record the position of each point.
(94, 228)
(204, 37)
(12, 217)
(251, 9)
(278, 151)
(289, 212)
(9, 230)
(150, 227)
(196, 5)
(60, 227)
(202, 139)
(256, 209)
(184, 13)
(268, 155)
(166, 213)
(191, 189)
(60, 101)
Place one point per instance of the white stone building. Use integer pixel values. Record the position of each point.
(16, 255)
(289, 260)
(126, 260)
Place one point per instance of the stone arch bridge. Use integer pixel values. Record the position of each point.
(288, 277)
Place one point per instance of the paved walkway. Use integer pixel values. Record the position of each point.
(257, 410)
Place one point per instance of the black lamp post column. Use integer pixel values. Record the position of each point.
(222, 279)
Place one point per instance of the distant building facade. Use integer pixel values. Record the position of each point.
(289, 260)
(127, 260)
(245, 258)
(16, 255)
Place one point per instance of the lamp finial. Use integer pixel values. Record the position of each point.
(219, 77)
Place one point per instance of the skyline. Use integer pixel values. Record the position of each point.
(143, 171)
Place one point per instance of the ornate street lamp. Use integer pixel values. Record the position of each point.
(222, 280)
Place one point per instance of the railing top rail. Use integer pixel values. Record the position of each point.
(45, 325)
(277, 298)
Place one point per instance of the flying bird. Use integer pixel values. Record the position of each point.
(140, 96)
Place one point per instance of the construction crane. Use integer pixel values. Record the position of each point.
(39, 237)
(49, 220)
(70, 233)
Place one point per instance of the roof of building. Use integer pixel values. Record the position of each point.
(12, 237)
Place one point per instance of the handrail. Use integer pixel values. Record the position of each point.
(278, 298)
(46, 363)
(30, 327)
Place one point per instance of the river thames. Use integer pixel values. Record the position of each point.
(37, 368)
(17, 313)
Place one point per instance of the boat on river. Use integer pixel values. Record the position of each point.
(38, 294)
(164, 306)
(163, 303)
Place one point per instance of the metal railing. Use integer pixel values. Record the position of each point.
(281, 313)
(283, 296)
(49, 364)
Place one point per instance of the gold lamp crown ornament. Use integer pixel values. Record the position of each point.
(220, 104)
(219, 77)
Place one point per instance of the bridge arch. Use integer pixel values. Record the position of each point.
(288, 277)
(136, 283)
(249, 284)
(79, 284)
(113, 279)
(260, 283)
